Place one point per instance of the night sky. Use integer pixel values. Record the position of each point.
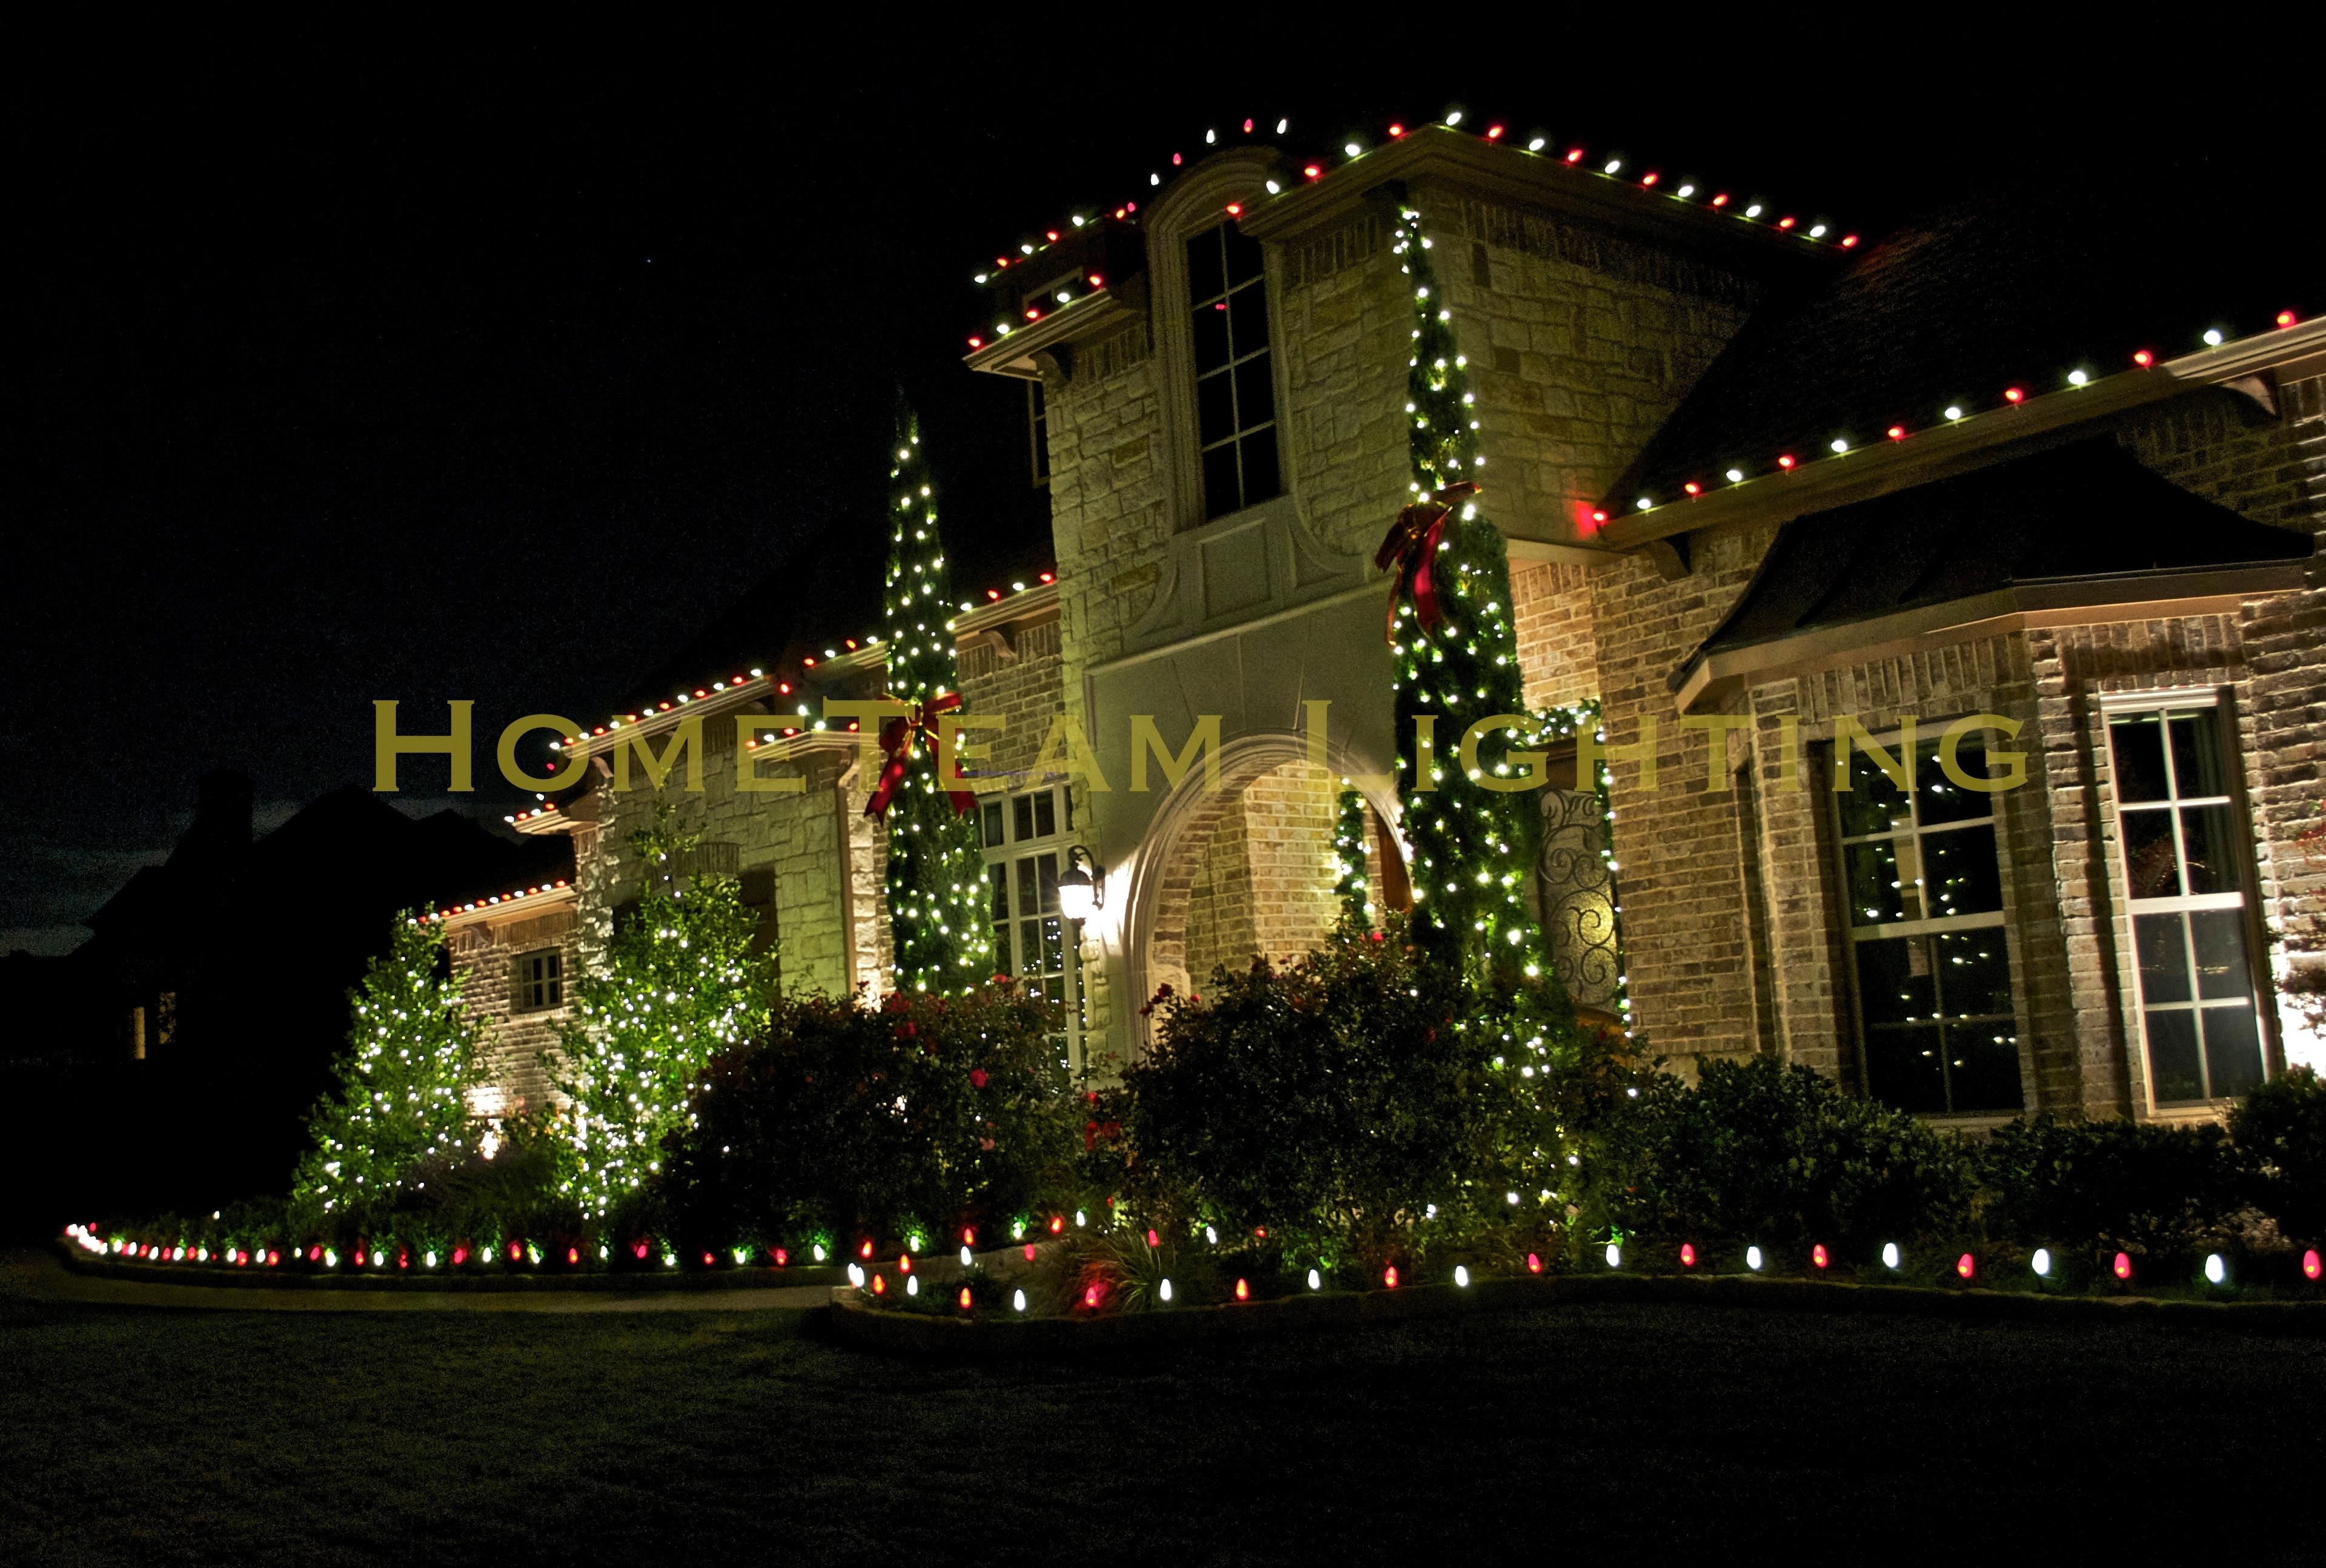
(430, 368)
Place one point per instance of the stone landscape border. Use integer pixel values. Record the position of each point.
(855, 1321)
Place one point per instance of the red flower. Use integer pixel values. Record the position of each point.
(906, 1031)
(977, 1078)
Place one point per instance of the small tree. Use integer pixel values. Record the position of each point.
(401, 1100)
(680, 984)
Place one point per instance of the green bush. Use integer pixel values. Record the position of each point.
(1758, 1152)
(1347, 1107)
(921, 1115)
(2135, 1186)
(2280, 1133)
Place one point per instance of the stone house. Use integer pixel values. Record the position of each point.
(1831, 529)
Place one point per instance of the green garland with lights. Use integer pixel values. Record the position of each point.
(1351, 886)
(937, 914)
(401, 1100)
(681, 983)
(1474, 847)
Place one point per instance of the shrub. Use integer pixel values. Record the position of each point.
(1760, 1152)
(2280, 1134)
(925, 1113)
(2136, 1186)
(1348, 1107)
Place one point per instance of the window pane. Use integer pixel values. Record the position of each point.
(1045, 814)
(1255, 393)
(2172, 1055)
(1030, 947)
(2164, 953)
(1205, 277)
(1054, 952)
(1974, 973)
(1046, 874)
(1960, 874)
(1211, 323)
(991, 824)
(1248, 321)
(2136, 742)
(2197, 755)
(1893, 981)
(2208, 835)
(1871, 803)
(2151, 864)
(1261, 478)
(1022, 812)
(2232, 1050)
(1000, 876)
(1876, 891)
(1214, 409)
(1243, 254)
(1028, 897)
(1222, 494)
(1938, 798)
(1983, 1067)
(2220, 936)
(1904, 1067)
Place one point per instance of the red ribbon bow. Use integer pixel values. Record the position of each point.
(1411, 547)
(899, 738)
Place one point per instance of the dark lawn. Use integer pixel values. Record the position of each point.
(141, 1436)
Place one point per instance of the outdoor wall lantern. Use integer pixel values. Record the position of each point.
(1082, 886)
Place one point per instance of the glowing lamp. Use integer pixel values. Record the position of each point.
(2041, 1263)
(2144, 358)
(1785, 222)
(2216, 1271)
(1965, 1265)
(1693, 488)
(2286, 318)
(1163, 1291)
(708, 1260)
(1017, 1300)
(782, 1258)
(1535, 1263)
(1687, 1256)
(1030, 1252)
(1090, 1298)
(1243, 1290)
(1462, 1275)
(1839, 446)
(2014, 395)
(1153, 1239)
(1614, 1256)
(2213, 337)
(1753, 1258)
(904, 1262)
(879, 1284)
(963, 1298)
(1082, 886)
(1819, 1256)
(968, 1259)
(1735, 475)
(1785, 463)
(1721, 199)
(819, 1252)
(573, 1255)
(865, 1250)
(1849, 242)
(1650, 178)
(1494, 134)
(1389, 1276)
(1316, 1280)
(1057, 1224)
(1896, 432)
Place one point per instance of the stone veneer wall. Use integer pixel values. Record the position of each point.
(1551, 611)
(484, 955)
(1264, 882)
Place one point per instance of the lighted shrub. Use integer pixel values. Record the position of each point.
(2280, 1133)
(1758, 1152)
(926, 1114)
(1334, 1104)
(2142, 1187)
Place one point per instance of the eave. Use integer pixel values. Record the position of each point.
(1019, 352)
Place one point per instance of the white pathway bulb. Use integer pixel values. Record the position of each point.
(1753, 1258)
(1017, 1300)
(1889, 1255)
(1615, 1255)
(968, 1259)
(855, 1277)
(2041, 1263)
(1316, 1280)
(1164, 1290)
(2216, 1271)
(1461, 1276)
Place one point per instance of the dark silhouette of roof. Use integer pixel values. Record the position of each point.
(2016, 288)
(2081, 512)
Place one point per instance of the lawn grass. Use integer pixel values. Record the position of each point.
(142, 1436)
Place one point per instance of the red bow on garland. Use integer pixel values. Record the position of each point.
(900, 738)
(1412, 547)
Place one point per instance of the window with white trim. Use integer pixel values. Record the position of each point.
(2180, 828)
(1027, 836)
(1235, 390)
(540, 979)
(1937, 1027)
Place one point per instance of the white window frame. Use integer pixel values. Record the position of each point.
(1010, 931)
(1853, 934)
(2261, 995)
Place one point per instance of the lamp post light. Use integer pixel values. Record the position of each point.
(1082, 886)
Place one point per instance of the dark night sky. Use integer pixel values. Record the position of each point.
(428, 369)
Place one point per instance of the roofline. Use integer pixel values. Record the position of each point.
(2029, 605)
(526, 899)
(1973, 442)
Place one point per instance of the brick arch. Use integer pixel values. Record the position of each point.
(1164, 871)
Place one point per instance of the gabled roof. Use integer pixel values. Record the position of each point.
(2085, 512)
(2014, 290)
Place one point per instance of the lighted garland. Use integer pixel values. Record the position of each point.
(681, 982)
(1473, 846)
(1351, 887)
(401, 1100)
(936, 867)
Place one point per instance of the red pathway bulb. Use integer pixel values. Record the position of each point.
(1687, 1255)
(865, 1250)
(2144, 358)
(2311, 1267)
(1058, 1223)
(1153, 1239)
(1243, 1290)
(904, 1262)
(2122, 1267)
(1534, 1264)
(1389, 1276)
(1030, 1252)
(964, 1298)
(782, 1258)
(2286, 318)
(1964, 1266)
(1818, 1255)
(2014, 395)
(573, 1255)
(879, 1284)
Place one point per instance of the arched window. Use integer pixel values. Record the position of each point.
(1235, 391)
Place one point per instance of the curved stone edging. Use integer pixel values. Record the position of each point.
(856, 1323)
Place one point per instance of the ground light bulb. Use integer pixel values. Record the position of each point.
(331, 1259)
(967, 1257)
(1243, 1290)
(2122, 1267)
(1614, 1256)
(912, 1284)
(1820, 1257)
(2216, 1271)
(428, 1260)
(1890, 1254)
(819, 1251)
(1535, 1263)
(1316, 1280)
(1211, 1235)
(1753, 1258)
(964, 1298)
(1462, 1275)
(1017, 1300)
(856, 1276)
(2041, 1263)
(1687, 1255)
(1162, 1291)
(1966, 1265)
(2213, 337)
(2310, 1264)
(1389, 1276)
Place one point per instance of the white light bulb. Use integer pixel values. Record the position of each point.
(1954, 410)
(1889, 1255)
(1164, 1290)
(1018, 1299)
(1614, 1256)
(2041, 1263)
(2077, 378)
(1735, 475)
(1316, 1280)
(2216, 1271)
(967, 1257)
(2213, 337)
(1753, 1258)
(1462, 1275)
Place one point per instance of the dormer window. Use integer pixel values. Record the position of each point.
(1235, 395)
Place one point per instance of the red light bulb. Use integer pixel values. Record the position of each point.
(2144, 358)
(1057, 1222)
(1818, 1255)
(2311, 1267)
(2286, 318)
(1389, 1276)
(1896, 432)
(1243, 1291)
(782, 1258)
(1534, 1264)
(1687, 1255)
(1964, 1266)
(964, 1298)
(879, 1284)
(1784, 462)
(2014, 395)
(1030, 1252)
